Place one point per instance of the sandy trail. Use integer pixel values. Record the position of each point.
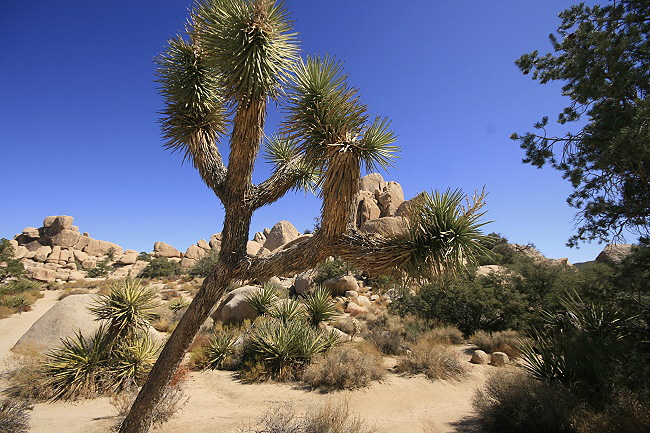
(14, 326)
(220, 403)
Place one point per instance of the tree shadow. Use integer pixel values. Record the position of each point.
(468, 424)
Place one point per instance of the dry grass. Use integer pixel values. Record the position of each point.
(435, 362)
(443, 335)
(344, 368)
(27, 381)
(502, 341)
(328, 417)
(14, 416)
(77, 291)
(626, 413)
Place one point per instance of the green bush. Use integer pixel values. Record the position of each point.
(332, 269)
(161, 267)
(205, 265)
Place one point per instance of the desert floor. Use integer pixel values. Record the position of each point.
(220, 403)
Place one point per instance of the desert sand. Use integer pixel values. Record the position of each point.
(218, 402)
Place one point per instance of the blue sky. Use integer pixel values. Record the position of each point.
(79, 133)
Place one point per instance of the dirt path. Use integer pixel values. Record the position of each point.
(14, 326)
(219, 403)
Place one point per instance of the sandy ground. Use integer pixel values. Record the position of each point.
(219, 403)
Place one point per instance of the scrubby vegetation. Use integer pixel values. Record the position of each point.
(327, 417)
(344, 368)
(17, 293)
(14, 416)
(161, 267)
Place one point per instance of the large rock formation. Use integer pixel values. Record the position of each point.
(281, 233)
(614, 253)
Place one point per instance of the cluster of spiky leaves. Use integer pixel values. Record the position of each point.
(319, 306)
(128, 307)
(248, 43)
(222, 345)
(443, 233)
(326, 116)
(283, 344)
(578, 346)
(119, 352)
(263, 299)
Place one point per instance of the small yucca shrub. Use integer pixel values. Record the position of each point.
(222, 345)
(319, 306)
(263, 299)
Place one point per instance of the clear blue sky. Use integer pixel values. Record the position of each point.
(79, 133)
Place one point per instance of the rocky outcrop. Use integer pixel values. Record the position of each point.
(161, 249)
(281, 233)
(614, 253)
(339, 285)
(387, 226)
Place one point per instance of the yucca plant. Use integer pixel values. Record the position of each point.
(221, 346)
(263, 299)
(287, 310)
(76, 368)
(319, 306)
(132, 361)
(579, 347)
(291, 344)
(127, 308)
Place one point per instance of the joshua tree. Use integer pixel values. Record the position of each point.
(237, 56)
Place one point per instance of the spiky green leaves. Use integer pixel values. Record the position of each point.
(194, 114)
(326, 116)
(128, 307)
(285, 155)
(443, 233)
(248, 42)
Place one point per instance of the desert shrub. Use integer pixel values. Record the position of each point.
(205, 265)
(327, 417)
(627, 412)
(26, 380)
(319, 306)
(178, 304)
(443, 335)
(512, 401)
(101, 269)
(331, 269)
(68, 292)
(172, 401)
(350, 325)
(391, 334)
(161, 267)
(144, 256)
(344, 368)
(16, 292)
(508, 342)
(10, 268)
(435, 362)
(14, 416)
